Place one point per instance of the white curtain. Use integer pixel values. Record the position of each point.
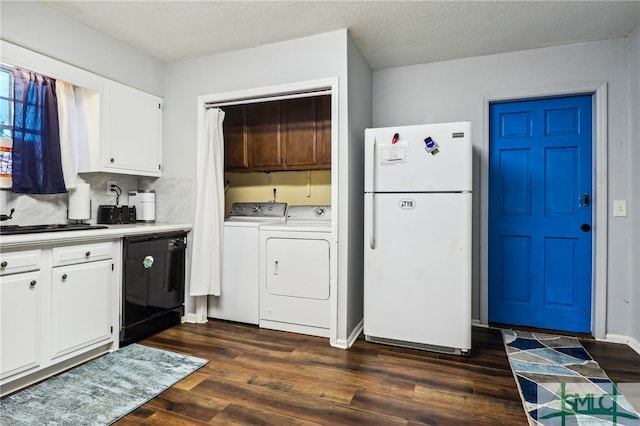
(208, 225)
(68, 119)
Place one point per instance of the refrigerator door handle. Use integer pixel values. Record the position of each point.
(373, 166)
(371, 219)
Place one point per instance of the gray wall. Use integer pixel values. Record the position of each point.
(634, 205)
(45, 30)
(311, 58)
(458, 90)
(360, 97)
(445, 91)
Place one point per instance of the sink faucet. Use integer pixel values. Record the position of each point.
(7, 217)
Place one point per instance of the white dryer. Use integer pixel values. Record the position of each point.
(295, 272)
(239, 293)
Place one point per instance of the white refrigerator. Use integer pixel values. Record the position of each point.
(417, 248)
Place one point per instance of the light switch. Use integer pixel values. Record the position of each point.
(619, 207)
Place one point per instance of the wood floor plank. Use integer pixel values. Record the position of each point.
(240, 415)
(189, 404)
(288, 404)
(265, 377)
(164, 418)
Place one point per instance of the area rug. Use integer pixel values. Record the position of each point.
(101, 391)
(561, 384)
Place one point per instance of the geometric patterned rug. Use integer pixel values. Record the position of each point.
(561, 384)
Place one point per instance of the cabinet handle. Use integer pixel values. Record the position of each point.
(87, 254)
(4, 264)
(64, 276)
(33, 283)
(113, 160)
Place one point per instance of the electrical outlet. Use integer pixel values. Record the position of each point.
(619, 207)
(109, 191)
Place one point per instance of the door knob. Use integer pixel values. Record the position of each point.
(585, 227)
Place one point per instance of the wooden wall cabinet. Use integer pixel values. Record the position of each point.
(293, 134)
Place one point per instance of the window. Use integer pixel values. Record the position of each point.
(6, 124)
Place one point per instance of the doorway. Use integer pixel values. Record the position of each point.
(541, 213)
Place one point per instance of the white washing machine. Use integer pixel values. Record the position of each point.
(239, 293)
(295, 272)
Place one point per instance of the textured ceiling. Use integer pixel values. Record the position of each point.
(389, 33)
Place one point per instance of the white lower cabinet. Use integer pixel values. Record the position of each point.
(80, 312)
(20, 319)
(59, 309)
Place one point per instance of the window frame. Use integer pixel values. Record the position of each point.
(6, 132)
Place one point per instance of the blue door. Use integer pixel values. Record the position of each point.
(540, 203)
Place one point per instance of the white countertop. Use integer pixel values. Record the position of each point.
(112, 232)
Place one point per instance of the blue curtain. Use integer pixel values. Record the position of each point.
(37, 165)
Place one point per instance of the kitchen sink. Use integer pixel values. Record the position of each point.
(32, 229)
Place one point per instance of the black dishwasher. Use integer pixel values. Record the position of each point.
(153, 284)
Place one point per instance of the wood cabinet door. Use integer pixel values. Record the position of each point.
(324, 131)
(263, 135)
(299, 132)
(236, 153)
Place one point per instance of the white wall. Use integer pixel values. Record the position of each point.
(457, 90)
(45, 30)
(311, 58)
(633, 207)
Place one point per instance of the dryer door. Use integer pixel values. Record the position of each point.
(298, 268)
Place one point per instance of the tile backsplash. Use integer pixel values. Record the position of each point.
(173, 200)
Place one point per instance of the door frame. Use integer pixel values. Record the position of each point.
(291, 90)
(600, 142)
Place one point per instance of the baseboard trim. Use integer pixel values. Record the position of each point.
(634, 344)
(346, 344)
(192, 318)
(615, 338)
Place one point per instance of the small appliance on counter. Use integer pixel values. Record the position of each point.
(116, 215)
(145, 204)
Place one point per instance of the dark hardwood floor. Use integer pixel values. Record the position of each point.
(263, 377)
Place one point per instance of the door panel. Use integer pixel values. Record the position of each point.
(540, 175)
(417, 277)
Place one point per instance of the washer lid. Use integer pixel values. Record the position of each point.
(309, 214)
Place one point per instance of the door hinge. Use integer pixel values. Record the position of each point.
(111, 329)
(113, 267)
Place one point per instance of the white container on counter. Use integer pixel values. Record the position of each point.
(145, 203)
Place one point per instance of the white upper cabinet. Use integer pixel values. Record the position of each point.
(119, 127)
(132, 133)
(129, 139)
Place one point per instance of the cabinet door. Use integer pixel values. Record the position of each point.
(263, 135)
(80, 306)
(236, 153)
(20, 299)
(133, 131)
(324, 131)
(299, 132)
